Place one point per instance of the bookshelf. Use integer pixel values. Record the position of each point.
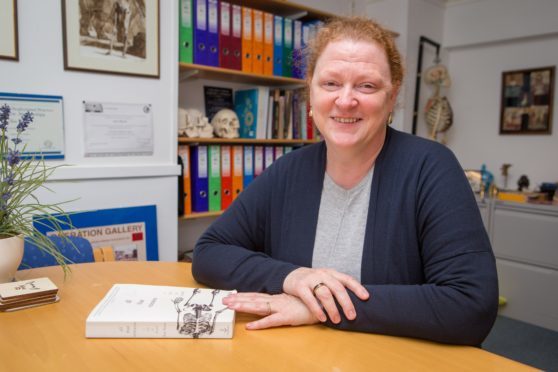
(243, 141)
(193, 76)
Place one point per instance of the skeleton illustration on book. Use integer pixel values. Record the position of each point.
(198, 319)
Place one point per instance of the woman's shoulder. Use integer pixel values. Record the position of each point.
(405, 145)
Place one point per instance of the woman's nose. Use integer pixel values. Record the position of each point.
(346, 98)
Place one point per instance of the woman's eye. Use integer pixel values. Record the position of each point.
(367, 87)
(330, 84)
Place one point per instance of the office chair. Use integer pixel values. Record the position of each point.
(81, 251)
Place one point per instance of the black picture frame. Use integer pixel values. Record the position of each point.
(527, 100)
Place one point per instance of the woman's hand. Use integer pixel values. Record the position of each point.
(322, 286)
(277, 310)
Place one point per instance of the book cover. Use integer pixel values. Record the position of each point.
(150, 311)
(246, 108)
(215, 99)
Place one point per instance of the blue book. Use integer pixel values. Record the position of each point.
(212, 33)
(297, 50)
(278, 46)
(248, 165)
(246, 108)
(200, 32)
(199, 168)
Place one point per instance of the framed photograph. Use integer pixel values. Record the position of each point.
(112, 36)
(8, 30)
(527, 97)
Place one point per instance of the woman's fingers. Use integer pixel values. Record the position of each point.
(277, 310)
(326, 287)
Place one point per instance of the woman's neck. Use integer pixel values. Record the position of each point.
(347, 167)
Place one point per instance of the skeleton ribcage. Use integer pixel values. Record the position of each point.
(438, 116)
(200, 326)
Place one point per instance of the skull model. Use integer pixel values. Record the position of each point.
(192, 123)
(226, 124)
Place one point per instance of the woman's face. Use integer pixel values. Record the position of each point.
(351, 94)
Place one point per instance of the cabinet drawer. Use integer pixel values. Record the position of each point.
(526, 237)
(532, 293)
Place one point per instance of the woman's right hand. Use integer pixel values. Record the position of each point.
(319, 288)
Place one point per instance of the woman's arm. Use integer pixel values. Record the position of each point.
(231, 253)
(457, 298)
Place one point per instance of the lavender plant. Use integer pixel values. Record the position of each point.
(20, 177)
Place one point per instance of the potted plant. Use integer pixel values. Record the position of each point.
(20, 177)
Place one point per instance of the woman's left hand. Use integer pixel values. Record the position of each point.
(277, 310)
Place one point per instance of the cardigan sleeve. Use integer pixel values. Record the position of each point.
(456, 301)
(233, 253)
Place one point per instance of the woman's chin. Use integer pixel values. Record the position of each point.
(343, 140)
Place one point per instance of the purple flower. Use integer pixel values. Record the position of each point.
(16, 140)
(24, 122)
(6, 196)
(13, 157)
(9, 179)
(4, 116)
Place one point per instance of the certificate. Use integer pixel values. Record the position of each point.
(45, 135)
(117, 129)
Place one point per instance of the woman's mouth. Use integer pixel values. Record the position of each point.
(344, 120)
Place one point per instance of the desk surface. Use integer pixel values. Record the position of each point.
(52, 337)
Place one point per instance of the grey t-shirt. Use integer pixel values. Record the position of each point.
(341, 226)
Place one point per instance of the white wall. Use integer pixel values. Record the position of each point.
(108, 182)
(485, 38)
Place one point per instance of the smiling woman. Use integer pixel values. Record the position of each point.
(370, 230)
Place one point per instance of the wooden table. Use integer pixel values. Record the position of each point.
(52, 337)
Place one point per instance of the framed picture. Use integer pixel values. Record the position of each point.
(112, 36)
(527, 97)
(8, 30)
(129, 233)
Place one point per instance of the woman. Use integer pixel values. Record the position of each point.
(370, 230)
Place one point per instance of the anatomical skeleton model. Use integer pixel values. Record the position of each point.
(192, 123)
(198, 319)
(226, 124)
(438, 112)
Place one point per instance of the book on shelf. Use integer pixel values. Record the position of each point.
(152, 311)
(27, 293)
(216, 99)
(185, 36)
(200, 31)
(246, 108)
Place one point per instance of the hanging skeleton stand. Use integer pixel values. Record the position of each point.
(438, 112)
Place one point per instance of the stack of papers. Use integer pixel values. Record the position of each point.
(27, 293)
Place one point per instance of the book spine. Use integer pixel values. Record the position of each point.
(121, 329)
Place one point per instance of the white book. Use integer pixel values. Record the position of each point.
(150, 311)
(263, 101)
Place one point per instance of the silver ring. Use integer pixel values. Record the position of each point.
(268, 308)
(320, 284)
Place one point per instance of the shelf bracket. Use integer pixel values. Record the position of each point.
(185, 75)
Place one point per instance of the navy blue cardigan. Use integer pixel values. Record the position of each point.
(427, 261)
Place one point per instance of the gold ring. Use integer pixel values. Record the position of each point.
(268, 308)
(320, 284)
